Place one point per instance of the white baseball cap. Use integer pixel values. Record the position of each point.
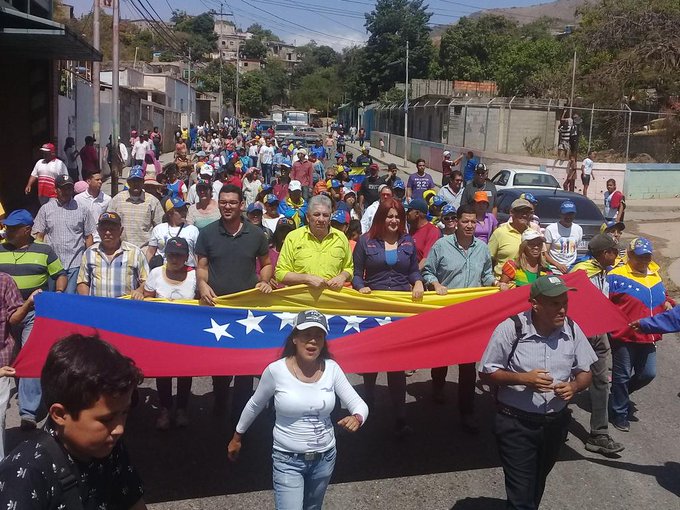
(295, 186)
(446, 153)
(530, 234)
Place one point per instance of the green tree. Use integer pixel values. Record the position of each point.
(262, 33)
(254, 49)
(390, 24)
(467, 49)
(320, 90)
(208, 77)
(252, 88)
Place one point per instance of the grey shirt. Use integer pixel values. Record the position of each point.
(65, 227)
(455, 268)
(469, 193)
(561, 354)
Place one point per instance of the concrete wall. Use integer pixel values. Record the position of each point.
(652, 180)
(431, 152)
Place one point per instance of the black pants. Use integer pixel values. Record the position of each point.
(164, 386)
(396, 383)
(467, 376)
(243, 390)
(528, 453)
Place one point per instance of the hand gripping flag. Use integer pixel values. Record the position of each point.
(383, 331)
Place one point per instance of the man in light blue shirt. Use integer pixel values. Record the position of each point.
(459, 261)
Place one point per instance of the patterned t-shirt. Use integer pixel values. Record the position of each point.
(28, 480)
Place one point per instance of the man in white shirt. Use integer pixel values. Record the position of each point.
(45, 171)
(453, 191)
(266, 160)
(562, 239)
(587, 172)
(94, 199)
(139, 150)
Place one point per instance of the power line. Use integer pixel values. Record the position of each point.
(159, 22)
(152, 26)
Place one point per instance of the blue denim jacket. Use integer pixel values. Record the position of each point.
(371, 270)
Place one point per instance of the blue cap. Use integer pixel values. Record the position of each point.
(136, 172)
(271, 199)
(398, 185)
(641, 246)
(266, 187)
(529, 197)
(438, 201)
(201, 154)
(255, 206)
(341, 217)
(417, 204)
(447, 210)
(335, 183)
(173, 203)
(568, 207)
(18, 217)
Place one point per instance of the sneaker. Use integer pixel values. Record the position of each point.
(27, 424)
(621, 424)
(604, 444)
(409, 373)
(163, 420)
(181, 419)
(469, 423)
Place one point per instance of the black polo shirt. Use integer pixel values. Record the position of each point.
(369, 189)
(231, 259)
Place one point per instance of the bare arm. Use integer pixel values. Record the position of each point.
(83, 289)
(31, 181)
(60, 285)
(205, 292)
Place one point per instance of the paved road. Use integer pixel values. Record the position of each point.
(440, 467)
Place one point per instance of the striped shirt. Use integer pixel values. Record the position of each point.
(65, 226)
(30, 266)
(126, 270)
(139, 216)
(10, 300)
(562, 354)
(46, 172)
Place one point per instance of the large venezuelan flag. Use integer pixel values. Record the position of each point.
(384, 331)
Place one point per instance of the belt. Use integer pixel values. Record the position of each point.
(531, 417)
(309, 456)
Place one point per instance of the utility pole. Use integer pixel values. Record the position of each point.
(238, 74)
(189, 92)
(96, 70)
(573, 83)
(219, 48)
(406, 111)
(115, 107)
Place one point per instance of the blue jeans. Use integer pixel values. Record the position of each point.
(633, 367)
(267, 172)
(71, 284)
(301, 484)
(29, 389)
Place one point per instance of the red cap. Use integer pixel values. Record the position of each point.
(47, 147)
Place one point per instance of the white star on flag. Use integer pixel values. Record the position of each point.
(218, 330)
(287, 319)
(382, 322)
(353, 322)
(252, 323)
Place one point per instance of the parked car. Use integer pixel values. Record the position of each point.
(524, 178)
(308, 133)
(588, 215)
(284, 131)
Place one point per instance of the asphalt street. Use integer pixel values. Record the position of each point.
(439, 466)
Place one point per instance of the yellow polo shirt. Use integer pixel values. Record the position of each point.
(504, 245)
(303, 253)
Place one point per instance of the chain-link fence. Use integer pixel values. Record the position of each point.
(537, 127)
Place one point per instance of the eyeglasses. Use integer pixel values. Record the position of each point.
(449, 218)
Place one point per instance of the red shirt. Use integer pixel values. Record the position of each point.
(303, 171)
(425, 237)
(88, 156)
(447, 164)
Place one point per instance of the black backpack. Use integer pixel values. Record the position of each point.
(67, 472)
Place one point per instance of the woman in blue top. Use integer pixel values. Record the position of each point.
(385, 259)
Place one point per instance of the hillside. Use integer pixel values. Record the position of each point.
(561, 11)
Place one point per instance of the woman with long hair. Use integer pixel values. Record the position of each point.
(303, 382)
(385, 259)
(529, 263)
(71, 154)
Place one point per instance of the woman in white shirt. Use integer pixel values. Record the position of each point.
(173, 280)
(304, 383)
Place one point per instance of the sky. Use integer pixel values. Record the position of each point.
(338, 24)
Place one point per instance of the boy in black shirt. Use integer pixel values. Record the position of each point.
(78, 461)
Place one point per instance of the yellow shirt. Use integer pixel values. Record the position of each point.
(504, 245)
(303, 253)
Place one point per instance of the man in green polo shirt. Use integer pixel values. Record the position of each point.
(31, 264)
